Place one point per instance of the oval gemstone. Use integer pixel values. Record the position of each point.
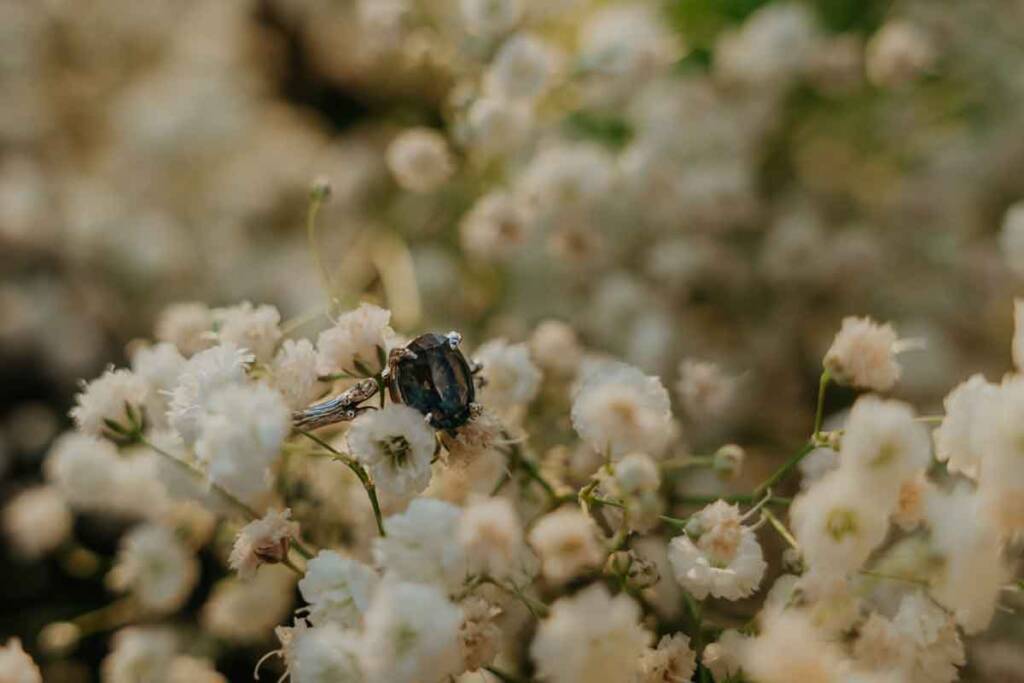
(437, 382)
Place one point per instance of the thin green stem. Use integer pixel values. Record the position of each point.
(501, 675)
(737, 498)
(359, 471)
(106, 618)
(317, 197)
(196, 472)
(819, 414)
(781, 528)
(287, 561)
(530, 468)
(784, 471)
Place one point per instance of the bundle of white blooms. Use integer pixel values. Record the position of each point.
(428, 582)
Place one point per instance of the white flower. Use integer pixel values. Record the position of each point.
(897, 54)
(357, 344)
(202, 376)
(627, 40)
(85, 470)
(771, 47)
(491, 536)
(523, 68)
(185, 669)
(722, 657)
(116, 397)
(617, 409)
(338, 589)
(723, 558)
(493, 227)
(1001, 479)
(706, 391)
(673, 661)
(790, 648)
(264, 540)
(921, 642)
(411, 635)
(960, 439)
(16, 666)
(883, 444)
(839, 521)
(555, 348)
(1011, 239)
(566, 177)
(139, 654)
(397, 446)
(325, 654)
(159, 365)
(567, 544)
(37, 521)
(972, 572)
(590, 637)
(294, 373)
(496, 126)
(490, 17)
(479, 636)
(422, 544)
(511, 379)
(241, 434)
(636, 482)
(420, 160)
(158, 569)
(247, 611)
(864, 354)
(254, 328)
(185, 325)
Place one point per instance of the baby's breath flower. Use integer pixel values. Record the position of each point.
(36, 521)
(883, 445)
(706, 391)
(510, 378)
(159, 365)
(490, 17)
(294, 373)
(1011, 239)
(420, 160)
(245, 612)
(422, 544)
(204, 374)
(254, 328)
(567, 544)
(839, 521)
(16, 666)
(397, 446)
(111, 404)
(672, 661)
(357, 344)
(790, 648)
(479, 636)
(241, 432)
(411, 634)
(262, 541)
(961, 438)
(492, 536)
(85, 470)
(617, 409)
(863, 354)
(156, 567)
(338, 589)
(590, 637)
(185, 325)
(496, 126)
(555, 348)
(898, 53)
(722, 657)
(139, 653)
(717, 555)
(494, 227)
(523, 68)
(325, 654)
(186, 669)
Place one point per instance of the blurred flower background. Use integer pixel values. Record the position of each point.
(702, 188)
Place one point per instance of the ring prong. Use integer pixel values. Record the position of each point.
(454, 339)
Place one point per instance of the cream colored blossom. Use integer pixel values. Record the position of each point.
(262, 541)
(567, 544)
(864, 354)
(36, 521)
(358, 342)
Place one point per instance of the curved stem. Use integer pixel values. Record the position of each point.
(359, 471)
(819, 413)
(784, 471)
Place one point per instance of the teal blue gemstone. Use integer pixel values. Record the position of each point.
(437, 382)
